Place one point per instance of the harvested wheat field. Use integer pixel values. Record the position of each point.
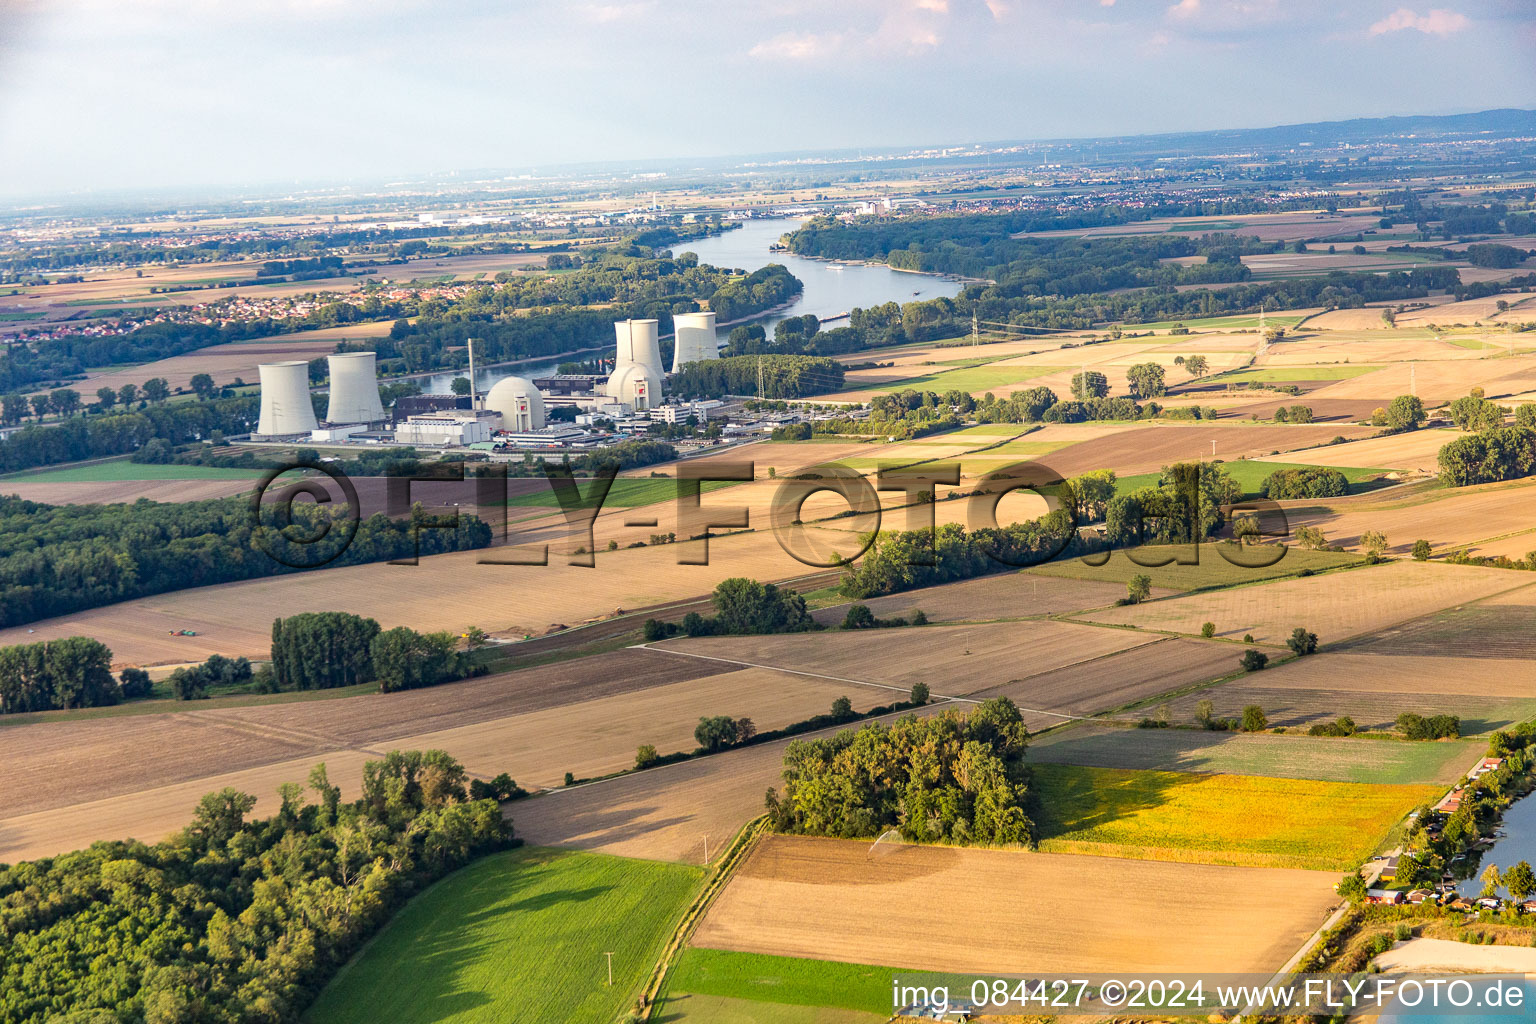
(947, 909)
(451, 592)
(1335, 605)
(1440, 381)
(1415, 450)
(1010, 595)
(1447, 518)
(1503, 632)
(1467, 311)
(153, 814)
(537, 748)
(1347, 672)
(1121, 678)
(1291, 705)
(1145, 449)
(664, 813)
(113, 754)
(121, 491)
(952, 660)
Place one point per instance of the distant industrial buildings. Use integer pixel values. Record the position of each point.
(515, 414)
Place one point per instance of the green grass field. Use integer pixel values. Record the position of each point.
(516, 937)
(626, 492)
(1217, 819)
(1272, 374)
(973, 379)
(1211, 571)
(121, 470)
(1250, 475)
(788, 981)
(1323, 759)
(1215, 225)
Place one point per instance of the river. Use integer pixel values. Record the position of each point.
(1518, 843)
(830, 288)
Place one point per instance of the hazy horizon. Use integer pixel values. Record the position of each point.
(169, 93)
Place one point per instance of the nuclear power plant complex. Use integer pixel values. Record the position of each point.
(562, 411)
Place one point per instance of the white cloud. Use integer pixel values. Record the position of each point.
(796, 46)
(1184, 9)
(605, 13)
(1434, 23)
(999, 8)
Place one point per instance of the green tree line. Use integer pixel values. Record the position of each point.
(234, 919)
(61, 559)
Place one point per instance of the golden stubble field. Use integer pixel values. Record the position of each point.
(953, 660)
(1416, 450)
(459, 590)
(1493, 518)
(1335, 605)
(976, 910)
(172, 760)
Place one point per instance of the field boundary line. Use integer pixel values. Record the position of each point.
(796, 672)
(745, 841)
(630, 773)
(934, 698)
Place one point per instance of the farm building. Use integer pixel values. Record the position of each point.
(1390, 897)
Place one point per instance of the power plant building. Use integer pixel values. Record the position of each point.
(354, 389)
(285, 406)
(449, 427)
(693, 339)
(518, 402)
(633, 385)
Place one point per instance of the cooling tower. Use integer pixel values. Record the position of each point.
(694, 339)
(519, 403)
(285, 405)
(638, 344)
(354, 389)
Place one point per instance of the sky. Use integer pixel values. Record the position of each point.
(127, 94)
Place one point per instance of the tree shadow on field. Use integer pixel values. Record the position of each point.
(566, 821)
(544, 901)
(1074, 800)
(1182, 750)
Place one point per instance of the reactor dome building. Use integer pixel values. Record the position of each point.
(694, 339)
(285, 404)
(518, 402)
(354, 389)
(632, 384)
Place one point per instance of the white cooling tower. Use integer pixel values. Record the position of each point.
(694, 339)
(519, 403)
(354, 389)
(285, 405)
(638, 344)
(633, 385)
